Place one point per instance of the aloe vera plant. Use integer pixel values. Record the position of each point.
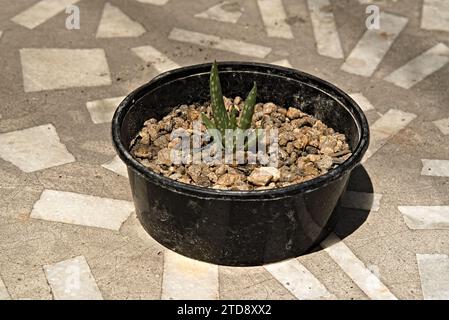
(224, 120)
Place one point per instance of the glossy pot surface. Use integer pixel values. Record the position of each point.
(238, 227)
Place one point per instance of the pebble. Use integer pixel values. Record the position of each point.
(228, 179)
(152, 131)
(174, 143)
(269, 108)
(282, 111)
(301, 142)
(142, 151)
(175, 176)
(222, 169)
(162, 141)
(163, 157)
(275, 173)
(293, 113)
(194, 171)
(212, 177)
(237, 100)
(185, 179)
(324, 163)
(263, 175)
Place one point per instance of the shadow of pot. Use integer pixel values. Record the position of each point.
(238, 227)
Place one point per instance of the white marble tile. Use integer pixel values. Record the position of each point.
(114, 24)
(4, 294)
(155, 2)
(426, 217)
(367, 281)
(218, 12)
(158, 60)
(435, 168)
(215, 42)
(34, 148)
(41, 12)
(443, 125)
(362, 101)
(435, 15)
(420, 67)
(386, 127)
(361, 200)
(102, 111)
(189, 279)
(274, 18)
(72, 280)
(434, 276)
(47, 69)
(116, 165)
(81, 209)
(374, 44)
(298, 280)
(282, 63)
(325, 30)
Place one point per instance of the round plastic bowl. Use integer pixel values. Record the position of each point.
(238, 227)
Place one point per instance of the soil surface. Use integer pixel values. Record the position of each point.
(305, 149)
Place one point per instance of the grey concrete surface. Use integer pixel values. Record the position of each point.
(128, 264)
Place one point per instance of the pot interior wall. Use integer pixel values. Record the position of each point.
(278, 88)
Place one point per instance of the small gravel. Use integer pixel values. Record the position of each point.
(306, 147)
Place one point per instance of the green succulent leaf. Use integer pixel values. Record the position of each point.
(207, 122)
(211, 128)
(220, 114)
(233, 118)
(248, 109)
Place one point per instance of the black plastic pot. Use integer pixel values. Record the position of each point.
(238, 227)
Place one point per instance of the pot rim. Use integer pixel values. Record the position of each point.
(228, 66)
